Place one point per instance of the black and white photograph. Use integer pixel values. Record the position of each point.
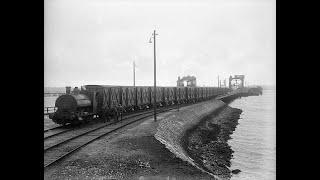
(159, 90)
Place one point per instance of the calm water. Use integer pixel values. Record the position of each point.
(49, 101)
(254, 140)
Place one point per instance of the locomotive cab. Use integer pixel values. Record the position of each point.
(72, 108)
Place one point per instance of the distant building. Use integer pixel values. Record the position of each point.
(191, 81)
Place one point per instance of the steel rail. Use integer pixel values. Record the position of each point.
(125, 114)
(57, 127)
(94, 129)
(61, 132)
(129, 115)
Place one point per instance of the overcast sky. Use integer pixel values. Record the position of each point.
(96, 41)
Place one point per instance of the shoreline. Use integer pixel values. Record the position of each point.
(206, 143)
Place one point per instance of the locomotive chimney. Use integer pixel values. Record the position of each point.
(75, 90)
(68, 89)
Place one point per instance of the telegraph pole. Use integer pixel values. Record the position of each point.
(134, 74)
(218, 81)
(155, 75)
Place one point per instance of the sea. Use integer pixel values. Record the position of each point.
(49, 101)
(254, 139)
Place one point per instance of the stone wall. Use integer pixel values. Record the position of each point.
(171, 130)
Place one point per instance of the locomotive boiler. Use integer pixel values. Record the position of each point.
(72, 108)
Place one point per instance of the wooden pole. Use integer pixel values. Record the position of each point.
(155, 77)
(134, 74)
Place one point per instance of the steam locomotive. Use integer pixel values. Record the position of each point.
(103, 101)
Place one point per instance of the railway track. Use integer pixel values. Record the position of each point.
(57, 151)
(52, 132)
(57, 127)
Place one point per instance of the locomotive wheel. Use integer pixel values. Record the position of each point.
(75, 123)
(87, 119)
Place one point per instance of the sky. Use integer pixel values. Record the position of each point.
(96, 41)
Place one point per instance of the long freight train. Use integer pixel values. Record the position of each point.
(109, 101)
